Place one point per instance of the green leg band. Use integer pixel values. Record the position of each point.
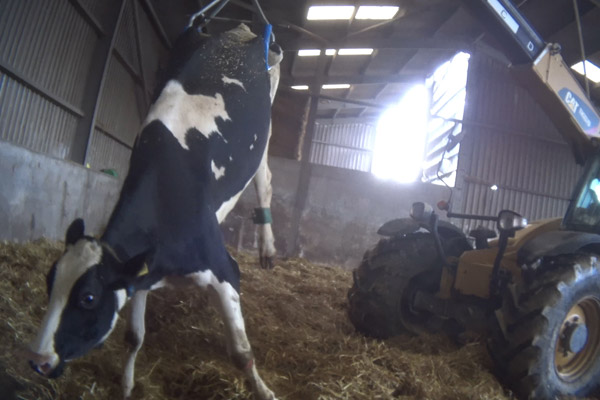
(262, 216)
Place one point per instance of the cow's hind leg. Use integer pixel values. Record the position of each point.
(134, 337)
(262, 215)
(227, 299)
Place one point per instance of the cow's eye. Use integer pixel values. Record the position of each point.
(87, 301)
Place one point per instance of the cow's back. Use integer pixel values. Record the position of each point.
(215, 100)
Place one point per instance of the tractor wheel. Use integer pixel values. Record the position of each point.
(551, 342)
(379, 300)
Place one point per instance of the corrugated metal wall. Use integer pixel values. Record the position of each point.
(48, 63)
(347, 145)
(510, 142)
(32, 46)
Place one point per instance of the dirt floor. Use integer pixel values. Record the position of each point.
(305, 346)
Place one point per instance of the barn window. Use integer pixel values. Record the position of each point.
(400, 139)
(417, 139)
(419, 136)
(448, 86)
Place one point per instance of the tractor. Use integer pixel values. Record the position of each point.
(534, 290)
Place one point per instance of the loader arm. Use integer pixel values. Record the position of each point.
(540, 68)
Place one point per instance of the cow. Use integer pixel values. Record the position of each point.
(204, 138)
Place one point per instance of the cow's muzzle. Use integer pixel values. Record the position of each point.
(48, 365)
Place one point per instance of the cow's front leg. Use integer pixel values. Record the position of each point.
(238, 346)
(134, 337)
(262, 215)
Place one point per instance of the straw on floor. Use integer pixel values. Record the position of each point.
(296, 320)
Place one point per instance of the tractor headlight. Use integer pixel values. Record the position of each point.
(510, 221)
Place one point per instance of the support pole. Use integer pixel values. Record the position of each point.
(305, 166)
(96, 79)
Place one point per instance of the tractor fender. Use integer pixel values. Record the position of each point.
(405, 226)
(555, 243)
(398, 226)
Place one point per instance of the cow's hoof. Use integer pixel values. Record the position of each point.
(268, 395)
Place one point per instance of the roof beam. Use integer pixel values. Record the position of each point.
(408, 42)
(355, 79)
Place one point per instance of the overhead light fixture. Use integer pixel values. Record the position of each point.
(355, 52)
(330, 12)
(315, 52)
(300, 87)
(592, 70)
(336, 86)
(309, 52)
(376, 12)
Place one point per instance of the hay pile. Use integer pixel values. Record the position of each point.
(295, 315)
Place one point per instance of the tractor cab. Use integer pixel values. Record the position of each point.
(583, 213)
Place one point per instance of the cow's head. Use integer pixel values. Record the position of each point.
(86, 291)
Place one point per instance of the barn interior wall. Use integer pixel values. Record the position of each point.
(75, 80)
(511, 143)
(343, 211)
(76, 77)
(41, 195)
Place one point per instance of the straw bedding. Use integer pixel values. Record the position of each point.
(305, 346)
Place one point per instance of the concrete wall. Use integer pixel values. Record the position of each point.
(343, 211)
(41, 195)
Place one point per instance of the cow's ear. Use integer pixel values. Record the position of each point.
(75, 231)
(130, 273)
(135, 267)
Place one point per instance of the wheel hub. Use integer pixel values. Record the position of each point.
(574, 337)
(578, 342)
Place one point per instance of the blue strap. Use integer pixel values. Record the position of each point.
(267, 36)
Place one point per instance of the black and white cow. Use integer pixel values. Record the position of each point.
(204, 138)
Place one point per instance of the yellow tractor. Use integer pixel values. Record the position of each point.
(534, 290)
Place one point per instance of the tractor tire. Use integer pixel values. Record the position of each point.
(380, 296)
(550, 344)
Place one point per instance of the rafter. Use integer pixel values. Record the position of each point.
(356, 79)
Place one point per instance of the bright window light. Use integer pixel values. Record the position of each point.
(314, 52)
(330, 12)
(448, 83)
(300, 87)
(593, 72)
(355, 52)
(376, 12)
(400, 140)
(337, 86)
